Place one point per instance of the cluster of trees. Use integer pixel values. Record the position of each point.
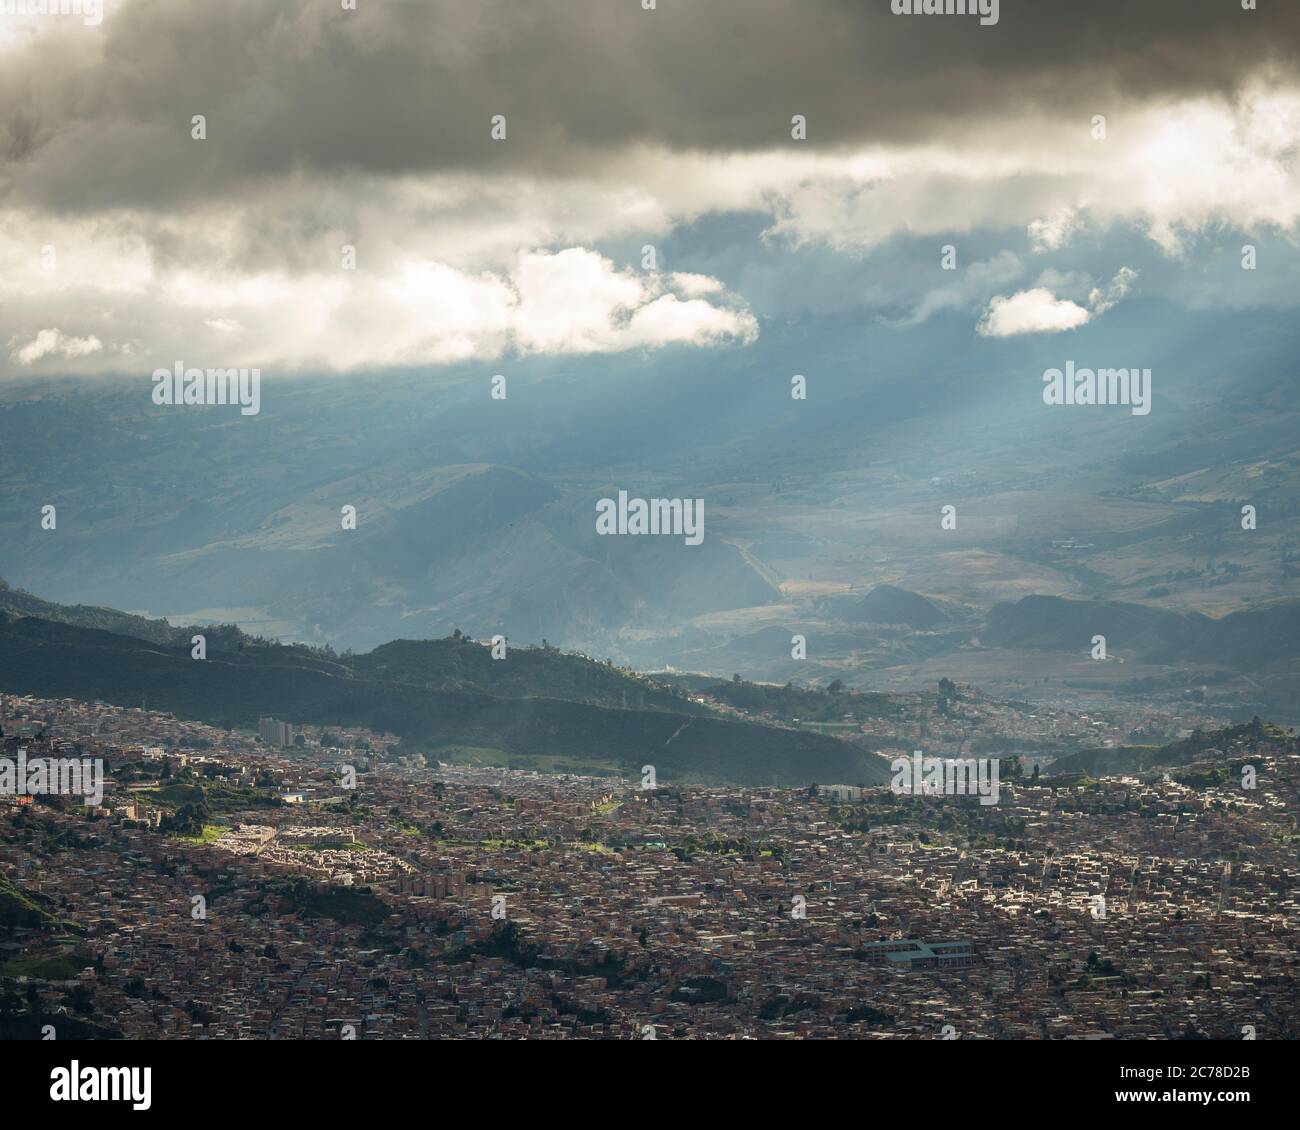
(188, 820)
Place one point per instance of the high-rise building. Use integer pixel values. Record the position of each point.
(273, 732)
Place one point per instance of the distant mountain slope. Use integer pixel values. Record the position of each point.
(438, 543)
(1250, 639)
(481, 547)
(234, 688)
(20, 603)
(1069, 625)
(1129, 760)
(485, 508)
(886, 604)
(1255, 638)
(804, 704)
(462, 664)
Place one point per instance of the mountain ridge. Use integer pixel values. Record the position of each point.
(235, 687)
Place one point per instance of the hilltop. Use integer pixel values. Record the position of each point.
(1249, 639)
(21, 603)
(440, 697)
(886, 604)
(1229, 744)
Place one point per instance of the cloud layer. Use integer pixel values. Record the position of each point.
(371, 129)
(100, 116)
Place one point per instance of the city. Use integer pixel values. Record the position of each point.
(434, 900)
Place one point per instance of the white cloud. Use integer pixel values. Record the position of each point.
(54, 343)
(462, 265)
(1030, 312)
(405, 311)
(1102, 300)
(1039, 310)
(668, 320)
(571, 302)
(576, 301)
(969, 287)
(223, 325)
(694, 286)
(1055, 231)
(1173, 169)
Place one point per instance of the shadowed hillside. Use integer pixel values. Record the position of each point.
(1251, 639)
(886, 604)
(437, 697)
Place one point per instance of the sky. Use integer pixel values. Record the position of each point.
(691, 175)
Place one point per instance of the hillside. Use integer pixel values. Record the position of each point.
(1129, 760)
(473, 516)
(20, 603)
(438, 697)
(462, 664)
(1248, 639)
(1068, 625)
(790, 703)
(886, 604)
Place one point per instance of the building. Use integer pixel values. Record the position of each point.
(274, 733)
(911, 953)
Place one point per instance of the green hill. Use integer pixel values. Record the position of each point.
(461, 664)
(19, 603)
(24, 908)
(437, 696)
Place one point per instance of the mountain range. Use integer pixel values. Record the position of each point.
(443, 698)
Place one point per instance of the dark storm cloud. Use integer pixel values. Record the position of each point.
(100, 117)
